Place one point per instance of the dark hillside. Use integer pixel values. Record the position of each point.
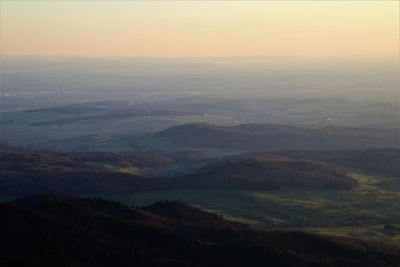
(185, 213)
(6, 147)
(52, 230)
(256, 136)
(269, 172)
(375, 161)
(34, 172)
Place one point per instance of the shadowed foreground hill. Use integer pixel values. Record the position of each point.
(50, 230)
(255, 136)
(270, 172)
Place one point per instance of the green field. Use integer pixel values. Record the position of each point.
(362, 212)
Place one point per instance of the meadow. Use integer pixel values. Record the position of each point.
(371, 211)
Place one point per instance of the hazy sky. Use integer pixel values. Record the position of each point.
(180, 29)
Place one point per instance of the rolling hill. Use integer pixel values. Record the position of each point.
(53, 230)
(383, 162)
(93, 173)
(32, 172)
(269, 173)
(6, 147)
(256, 136)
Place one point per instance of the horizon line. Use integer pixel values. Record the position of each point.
(200, 57)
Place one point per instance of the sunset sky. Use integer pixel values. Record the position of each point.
(198, 29)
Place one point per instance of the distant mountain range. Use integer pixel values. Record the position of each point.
(100, 110)
(52, 230)
(256, 136)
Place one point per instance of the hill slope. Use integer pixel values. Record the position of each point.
(269, 172)
(255, 136)
(49, 230)
(373, 161)
(35, 172)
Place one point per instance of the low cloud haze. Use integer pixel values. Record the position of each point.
(136, 79)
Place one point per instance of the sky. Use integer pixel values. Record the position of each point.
(199, 29)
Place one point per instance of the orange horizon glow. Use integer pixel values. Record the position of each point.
(200, 29)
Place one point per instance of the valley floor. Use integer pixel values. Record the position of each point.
(371, 211)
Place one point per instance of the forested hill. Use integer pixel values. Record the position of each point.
(53, 230)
